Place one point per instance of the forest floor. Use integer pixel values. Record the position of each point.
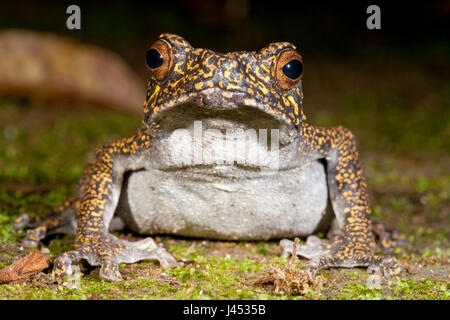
(402, 126)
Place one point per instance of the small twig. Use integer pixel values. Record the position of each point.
(294, 257)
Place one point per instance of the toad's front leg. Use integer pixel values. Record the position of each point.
(354, 245)
(99, 191)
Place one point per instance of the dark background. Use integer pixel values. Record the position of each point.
(318, 28)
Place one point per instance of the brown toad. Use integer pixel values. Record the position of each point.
(200, 166)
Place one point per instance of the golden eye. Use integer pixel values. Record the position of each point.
(159, 59)
(288, 69)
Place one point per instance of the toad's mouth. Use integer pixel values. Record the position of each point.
(222, 140)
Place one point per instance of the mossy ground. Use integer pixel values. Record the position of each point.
(401, 122)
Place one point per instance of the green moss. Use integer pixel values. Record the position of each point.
(261, 248)
(423, 290)
(398, 289)
(57, 153)
(361, 292)
(365, 116)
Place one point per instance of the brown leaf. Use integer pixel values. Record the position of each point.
(34, 64)
(33, 263)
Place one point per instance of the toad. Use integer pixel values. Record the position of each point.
(200, 166)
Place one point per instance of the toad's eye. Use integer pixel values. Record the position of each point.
(288, 69)
(159, 59)
(293, 69)
(154, 59)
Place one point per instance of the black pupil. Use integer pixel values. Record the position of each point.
(293, 69)
(154, 59)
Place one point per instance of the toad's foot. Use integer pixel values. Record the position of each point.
(108, 252)
(313, 248)
(62, 221)
(340, 254)
(387, 239)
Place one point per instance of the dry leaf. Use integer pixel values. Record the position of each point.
(33, 263)
(287, 279)
(34, 64)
